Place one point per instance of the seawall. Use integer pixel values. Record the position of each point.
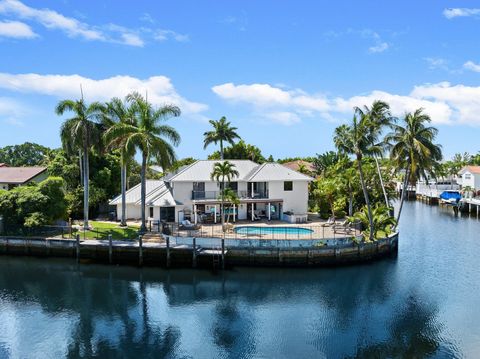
(189, 252)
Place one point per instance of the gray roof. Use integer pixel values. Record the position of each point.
(158, 193)
(200, 171)
(19, 175)
(271, 171)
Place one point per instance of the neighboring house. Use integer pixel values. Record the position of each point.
(269, 190)
(299, 164)
(11, 177)
(470, 177)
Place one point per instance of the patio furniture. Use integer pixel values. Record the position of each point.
(329, 222)
(345, 228)
(186, 224)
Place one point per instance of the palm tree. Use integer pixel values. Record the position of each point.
(231, 197)
(357, 140)
(81, 132)
(222, 131)
(223, 171)
(413, 149)
(379, 117)
(150, 135)
(383, 221)
(117, 112)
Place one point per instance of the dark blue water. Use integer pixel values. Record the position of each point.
(425, 303)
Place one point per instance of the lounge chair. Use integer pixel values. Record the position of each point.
(329, 222)
(186, 224)
(341, 224)
(345, 229)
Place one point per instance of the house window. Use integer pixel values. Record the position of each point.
(232, 185)
(288, 186)
(150, 212)
(468, 176)
(199, 186)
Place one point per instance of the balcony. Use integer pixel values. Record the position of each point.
(201, 195)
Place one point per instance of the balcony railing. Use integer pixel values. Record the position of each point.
(199, 195)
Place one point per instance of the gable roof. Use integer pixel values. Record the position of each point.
(19, 175)
(158, 193)
(200, 171)
(471, 169)
(272, 171)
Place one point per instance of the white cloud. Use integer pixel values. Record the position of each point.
(11, 112)
(51, 19)
(439, 111)
(472, 66)
(436, 63)
(159, 88)
(16, 29)
(445, 103)
(283, 117)
(460, 12)
(162, 35)
(380, 47)
(75, 28)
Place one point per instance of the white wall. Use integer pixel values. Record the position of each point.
(295, 201)
(473, 181)
(132, 211)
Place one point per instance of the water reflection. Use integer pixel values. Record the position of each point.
(405, 307)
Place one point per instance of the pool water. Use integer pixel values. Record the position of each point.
(257, 230)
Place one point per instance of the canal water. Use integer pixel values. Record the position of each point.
(424, 303)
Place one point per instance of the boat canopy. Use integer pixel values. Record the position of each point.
(451, 195)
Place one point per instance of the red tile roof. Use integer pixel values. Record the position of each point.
(19, 175)
(3, 165)
(471, 169)
(295, 165)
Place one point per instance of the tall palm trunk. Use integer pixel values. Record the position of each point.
(85, 187)
(350, 201)
(123, 181)
(223, 203)
(143, 191)
(381, 182)
(404, 191)
(221, 150)
(365, 194)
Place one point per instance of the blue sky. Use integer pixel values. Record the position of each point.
(286, 73)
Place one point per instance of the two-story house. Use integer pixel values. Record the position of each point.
(470, 177)
(269, 191)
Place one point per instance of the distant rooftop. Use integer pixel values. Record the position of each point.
(19, 175)
(295, 165)
(471, 169)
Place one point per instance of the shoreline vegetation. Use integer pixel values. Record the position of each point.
(101, 142)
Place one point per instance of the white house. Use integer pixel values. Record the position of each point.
(269, 190)
(470, 177)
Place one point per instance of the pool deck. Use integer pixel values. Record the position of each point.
(318, 227)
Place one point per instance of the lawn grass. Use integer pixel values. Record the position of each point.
(101, 230)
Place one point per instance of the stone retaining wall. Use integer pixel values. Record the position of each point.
(180, 253)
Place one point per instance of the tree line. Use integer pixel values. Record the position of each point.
(100, 142)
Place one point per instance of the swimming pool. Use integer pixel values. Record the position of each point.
(253, 230)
